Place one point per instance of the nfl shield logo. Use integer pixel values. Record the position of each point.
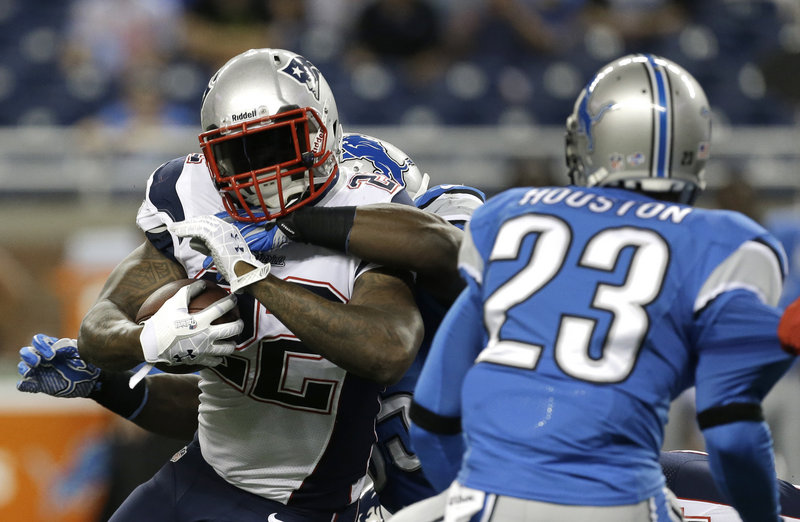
(616, 161)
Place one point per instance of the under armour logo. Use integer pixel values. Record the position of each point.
(189, 355)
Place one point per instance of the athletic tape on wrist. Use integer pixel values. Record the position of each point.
(322, 226)
(250, 277)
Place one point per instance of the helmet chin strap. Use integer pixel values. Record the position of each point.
(294, 197)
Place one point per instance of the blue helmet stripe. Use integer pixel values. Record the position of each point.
(662, 113)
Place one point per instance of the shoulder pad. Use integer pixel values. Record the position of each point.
(439, 190)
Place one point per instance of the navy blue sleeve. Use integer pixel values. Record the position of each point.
(403, 198)
(436, 408)
(163, 192)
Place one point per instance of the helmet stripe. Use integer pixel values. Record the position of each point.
(662, 114)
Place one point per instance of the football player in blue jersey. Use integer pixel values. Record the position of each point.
(588, 308)
(285, 424)
(395, 469)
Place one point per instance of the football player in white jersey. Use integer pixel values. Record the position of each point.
(426, 242)
(286, 418)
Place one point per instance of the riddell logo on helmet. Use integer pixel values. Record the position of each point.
(319, 140)
(243, 116)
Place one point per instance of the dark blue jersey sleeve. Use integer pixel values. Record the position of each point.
(436, 410)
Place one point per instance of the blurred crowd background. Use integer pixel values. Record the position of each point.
(452, 62)
(95, 94)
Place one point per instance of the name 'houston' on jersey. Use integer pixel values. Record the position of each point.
(646, 287)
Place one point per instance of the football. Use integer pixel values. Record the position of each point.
(210, 295)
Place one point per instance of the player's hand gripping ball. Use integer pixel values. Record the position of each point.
(190, 348)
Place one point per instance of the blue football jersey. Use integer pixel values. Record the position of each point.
(593, 309)
(394, 468)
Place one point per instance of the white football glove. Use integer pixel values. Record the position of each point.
(174, 336)
(223, 242)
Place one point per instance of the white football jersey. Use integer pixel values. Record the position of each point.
(276, 419)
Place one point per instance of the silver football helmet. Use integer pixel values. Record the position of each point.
(271, 133)
(416, 182)
(641, 123)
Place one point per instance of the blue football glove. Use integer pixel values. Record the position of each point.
(53, 366)
(260, 237)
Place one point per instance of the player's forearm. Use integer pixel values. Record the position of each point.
(421, 241)
(171, 408)
(162, 404)
(372, 342)
(741, 459)
(109, 339)
(440, 455)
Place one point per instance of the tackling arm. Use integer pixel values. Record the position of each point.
(420, 241)
(389, 234)
(436, 409)
(108, 337)
(164, 404)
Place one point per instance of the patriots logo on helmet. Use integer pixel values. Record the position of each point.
(304, 72)
(616, 161)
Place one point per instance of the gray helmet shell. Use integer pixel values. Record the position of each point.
(260, 83)
(263, 82)
(643, 123)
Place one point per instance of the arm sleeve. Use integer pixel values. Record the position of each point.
(742, 463)
(739, 361)
(436, 409)
(739, 356)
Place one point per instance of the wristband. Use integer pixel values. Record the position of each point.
(113, 393)
(322, 226)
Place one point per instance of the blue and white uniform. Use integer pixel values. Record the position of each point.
(276, 420)
(587, 311)
(689, 477)
(394, 468)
